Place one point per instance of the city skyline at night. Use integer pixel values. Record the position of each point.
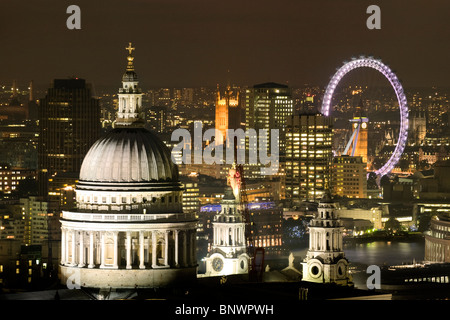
(196, 150)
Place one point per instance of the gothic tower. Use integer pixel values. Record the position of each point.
(325, 261)
(227, 112)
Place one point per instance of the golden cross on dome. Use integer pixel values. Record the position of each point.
(130, 48)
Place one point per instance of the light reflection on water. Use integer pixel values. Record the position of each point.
(380, 252)
(385, 252)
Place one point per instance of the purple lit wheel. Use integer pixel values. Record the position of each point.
(395, 83)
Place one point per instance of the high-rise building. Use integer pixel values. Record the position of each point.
(10, 177)
(308, 157)
(191, 202)
(267, 106)
(69, 123)
(266, 231)
(35, 216)
(349, 177)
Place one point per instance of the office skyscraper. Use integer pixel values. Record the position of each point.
(69, 123)
(308, 157)
(349, 177)
(267, 106)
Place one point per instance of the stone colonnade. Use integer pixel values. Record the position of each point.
(325, 240)
(140, 249)
(229, 234)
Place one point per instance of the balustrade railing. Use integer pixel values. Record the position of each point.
(120, 217)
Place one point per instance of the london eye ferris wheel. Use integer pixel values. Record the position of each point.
(378, 65)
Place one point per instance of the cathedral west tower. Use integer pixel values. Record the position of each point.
(325, 261)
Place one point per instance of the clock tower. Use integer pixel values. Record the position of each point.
(325, 261)
(228, 254)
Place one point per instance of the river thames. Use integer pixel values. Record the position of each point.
(380, 252)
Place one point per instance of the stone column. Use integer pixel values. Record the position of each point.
(73, 262)
(192, 249)
(176, 248)
(217, 232)
(166, 248)
(81, 259)
(336, 235)
(316, 240)
(332, 240)
(141, 250)
(324, 239)
(63, 246)
(154, 249)
(66, 257)
(102, 252)
(185, 247)
(336, 240)
(91, 249)
(116, 244)
(128, 248)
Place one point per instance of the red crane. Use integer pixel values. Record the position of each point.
(256, 254)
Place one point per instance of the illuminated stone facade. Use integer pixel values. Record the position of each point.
(228, 252)
(128, 229)
(437, 242)
(227, 112)
(325, 261)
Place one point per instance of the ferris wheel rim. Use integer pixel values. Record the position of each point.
(378, 65)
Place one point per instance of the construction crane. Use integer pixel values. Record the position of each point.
(256, 254)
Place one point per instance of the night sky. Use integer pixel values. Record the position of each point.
(188, 43)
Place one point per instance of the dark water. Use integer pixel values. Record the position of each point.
(380, 252)
(385, 252)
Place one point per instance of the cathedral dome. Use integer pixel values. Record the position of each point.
(128, 155)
